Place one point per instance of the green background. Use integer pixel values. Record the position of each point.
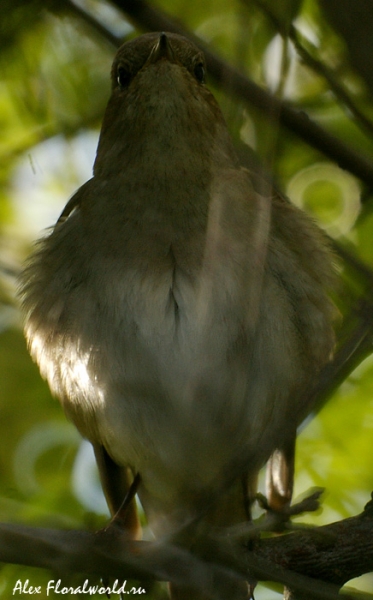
(54, 86)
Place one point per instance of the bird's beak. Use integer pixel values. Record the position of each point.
(161, 49)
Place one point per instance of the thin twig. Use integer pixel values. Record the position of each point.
(316, 65)
(338, 89)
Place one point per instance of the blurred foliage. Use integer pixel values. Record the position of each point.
(54, 86)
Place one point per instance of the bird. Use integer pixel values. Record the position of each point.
(178, 312)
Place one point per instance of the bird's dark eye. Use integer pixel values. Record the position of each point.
(123, 76)
(199, 72)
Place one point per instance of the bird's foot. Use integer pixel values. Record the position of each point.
(280, 515)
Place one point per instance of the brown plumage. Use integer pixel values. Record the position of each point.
(175, 312)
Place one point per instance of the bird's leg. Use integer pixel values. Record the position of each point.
(280, 477)
(120, 496)
(125, 517)
(120, 493)
(280, 480)
(279, 485)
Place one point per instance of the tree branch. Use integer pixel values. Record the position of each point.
(316, 562)
(333, 553)
(316, 65)
(357, 345)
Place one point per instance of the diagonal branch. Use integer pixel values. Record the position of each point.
(357, 345)
(315, 561)
(316, 65)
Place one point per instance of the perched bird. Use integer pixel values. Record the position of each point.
(177, 313)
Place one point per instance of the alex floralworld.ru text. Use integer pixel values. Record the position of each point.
(55, 586)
